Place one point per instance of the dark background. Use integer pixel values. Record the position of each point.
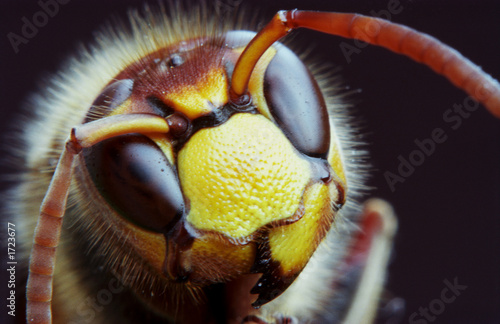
(448, 209)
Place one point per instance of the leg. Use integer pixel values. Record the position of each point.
(368, 257)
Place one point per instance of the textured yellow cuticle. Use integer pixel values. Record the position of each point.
(241, 176)
(216, 260)
(195, 100)
(292, 245)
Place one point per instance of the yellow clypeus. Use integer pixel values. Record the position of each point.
(241, 175)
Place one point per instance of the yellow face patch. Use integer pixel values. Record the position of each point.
(241, 176)
(195, 100)
(294, 244)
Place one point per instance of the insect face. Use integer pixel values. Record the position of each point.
(210, 200)
(184, 187)
(236, 186)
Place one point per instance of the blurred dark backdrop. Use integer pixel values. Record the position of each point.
(448, 208)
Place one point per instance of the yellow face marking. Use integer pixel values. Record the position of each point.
(292, 245)
(195, 100)
(256, 83)
(192, 99)
(219, 260)
(241, 176)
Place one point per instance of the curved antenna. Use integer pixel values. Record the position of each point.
(48, 228)
(400, 39)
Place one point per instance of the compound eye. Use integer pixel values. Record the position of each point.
(296, 103)
(111, 97)
(136, 179)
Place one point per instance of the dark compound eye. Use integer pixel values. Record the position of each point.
(114, 94)
(238, 38)
(296, 103)
(136, 179)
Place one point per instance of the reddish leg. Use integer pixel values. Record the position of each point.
(368, 255)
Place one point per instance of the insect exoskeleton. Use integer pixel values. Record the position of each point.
(206, 167)
(232, 188)
(219, 211)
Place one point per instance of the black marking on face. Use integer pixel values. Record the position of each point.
(272, 283)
